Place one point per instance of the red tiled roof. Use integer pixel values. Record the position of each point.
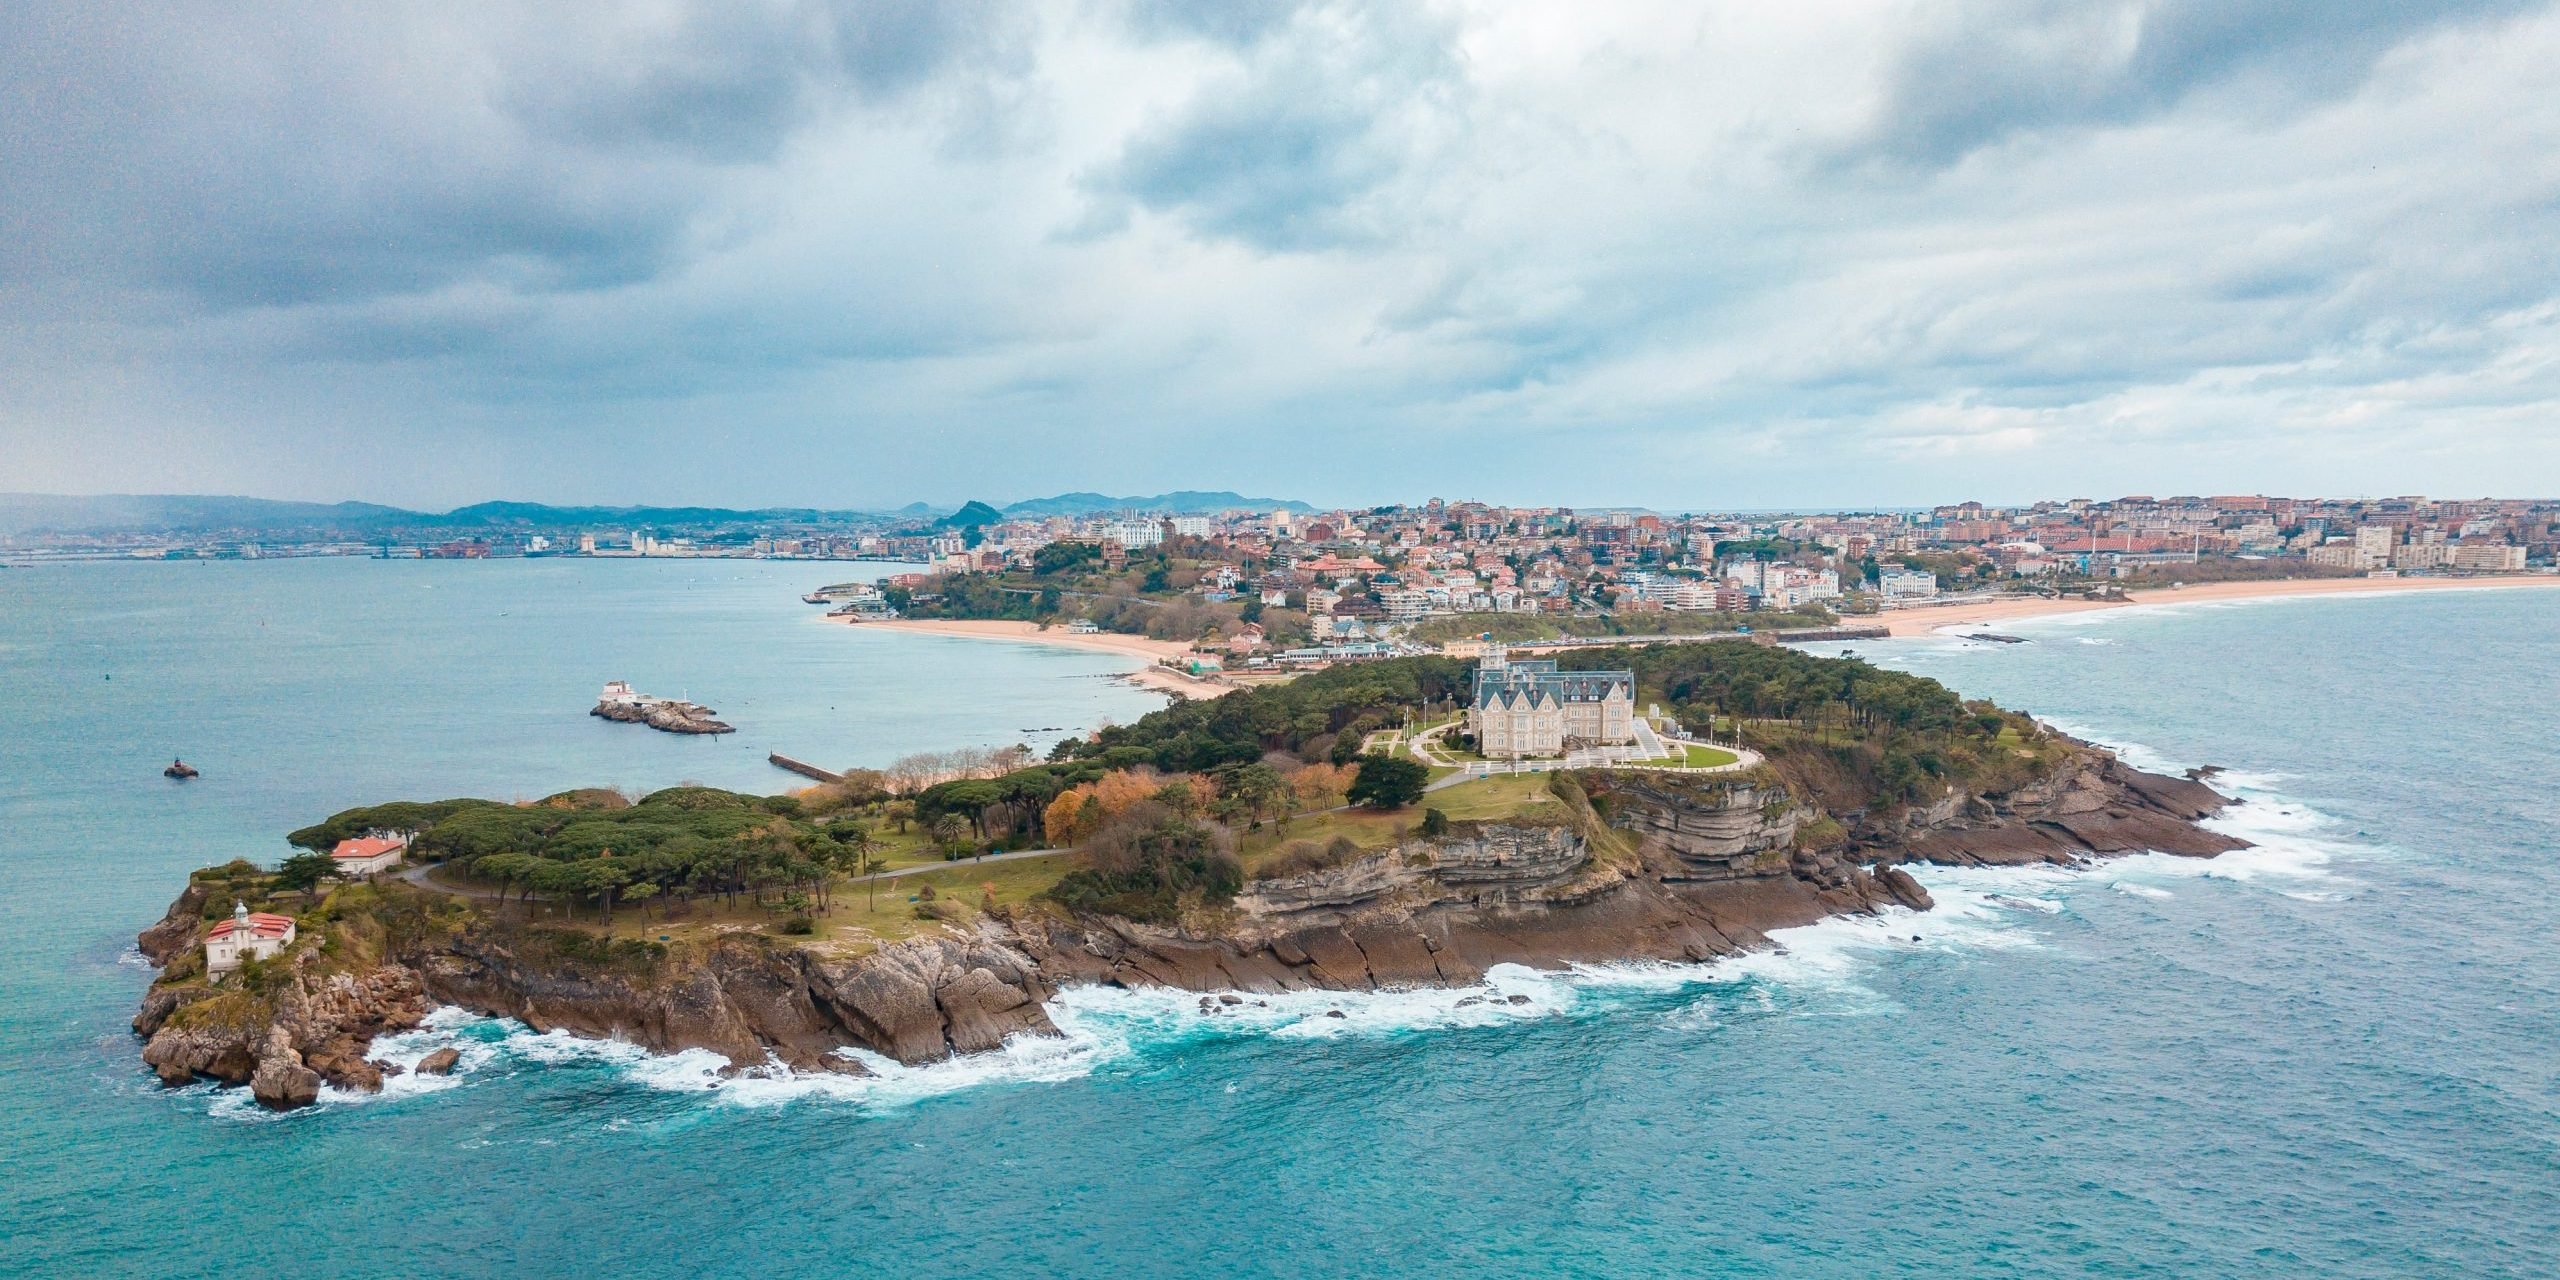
(265, 924)
(364, 847)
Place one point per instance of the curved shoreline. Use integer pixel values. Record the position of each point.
(1118, 644)
(1928, 619)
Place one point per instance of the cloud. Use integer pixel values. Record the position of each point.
(1282, 151)
(1634, 251)
(1984, 71)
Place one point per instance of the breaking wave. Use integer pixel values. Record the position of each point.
(1824, 969)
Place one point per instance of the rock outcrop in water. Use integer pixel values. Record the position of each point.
(1639, 866)
(667, 715)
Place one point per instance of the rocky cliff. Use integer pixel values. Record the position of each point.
(2094, 805)
(1643, 866)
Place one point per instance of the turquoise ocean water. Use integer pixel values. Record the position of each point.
(2336, 1055)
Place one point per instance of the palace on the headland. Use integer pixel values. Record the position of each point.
(1528, 708)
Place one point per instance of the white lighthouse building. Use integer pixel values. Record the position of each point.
(247, 935)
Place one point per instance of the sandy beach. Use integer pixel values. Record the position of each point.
(1146, 651)
(1921, 621)
(1930, 618)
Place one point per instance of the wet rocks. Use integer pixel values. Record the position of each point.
(281, 1081)
(2096, 806)
(666, 715)
(439, 1063)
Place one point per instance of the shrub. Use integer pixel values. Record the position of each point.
(1300, 857)
(797, 926)
(1145, 861)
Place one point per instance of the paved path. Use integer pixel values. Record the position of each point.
(417, 875)
(1649, 746)
(1015, 856)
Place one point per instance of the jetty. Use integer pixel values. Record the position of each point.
(620, 703)
(802, 767)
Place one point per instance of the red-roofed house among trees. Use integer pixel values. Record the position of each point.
(364, 855)
(247, 935)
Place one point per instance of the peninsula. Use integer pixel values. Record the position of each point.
(1398, 823)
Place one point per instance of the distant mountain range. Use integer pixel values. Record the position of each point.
(182, 513)
(23, 513)
(1181, 502)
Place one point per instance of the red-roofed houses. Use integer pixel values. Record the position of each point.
(364, 855)
(247, 935)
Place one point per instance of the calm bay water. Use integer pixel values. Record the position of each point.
(2338, 1054)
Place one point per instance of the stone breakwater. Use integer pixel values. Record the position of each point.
(667, 715)
(1648, 866)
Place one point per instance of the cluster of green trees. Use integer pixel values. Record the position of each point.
(596, 847)
(970, 595)
(1855, 733)
(1143, 866)
(1319, 716)
(1771, 682)
(1148, 595)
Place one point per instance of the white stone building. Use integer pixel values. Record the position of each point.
(1898, 583)
(363, 855)
(1528, 708)
(247, 935)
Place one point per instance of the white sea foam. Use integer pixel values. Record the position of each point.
(1819, 970)
(2132, 753)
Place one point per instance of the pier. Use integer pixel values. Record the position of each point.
(801, 767)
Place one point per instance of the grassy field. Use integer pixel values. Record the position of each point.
(909, 848)
(1507, 795)
(864, 914)
(861, 913)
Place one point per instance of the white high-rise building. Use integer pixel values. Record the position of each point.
(2374, 543)
(1134, 534)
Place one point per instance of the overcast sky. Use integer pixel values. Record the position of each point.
(1687, 255)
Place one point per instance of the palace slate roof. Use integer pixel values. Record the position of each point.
(1537, 683)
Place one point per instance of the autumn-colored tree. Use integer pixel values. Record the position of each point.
(1118, 790)
(1058, 821)
(1320, 786)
